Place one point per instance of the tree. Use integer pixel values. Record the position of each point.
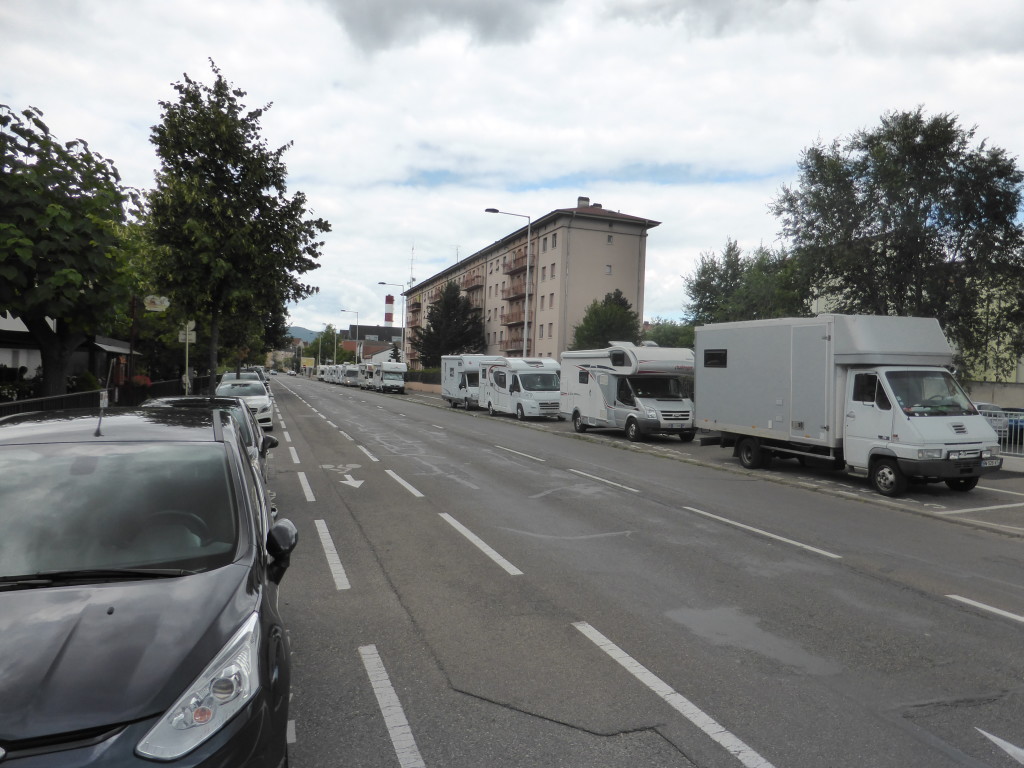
(453, 327)
(234, 242)
(735, 286)
(912, 218)
(62, 270)
(669, 333)
(612, 319)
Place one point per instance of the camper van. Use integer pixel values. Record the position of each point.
(524, 386)
(641, 390)
(460, 379)
(366, 375)
(389, 377)
(869, 394)
(350, 375)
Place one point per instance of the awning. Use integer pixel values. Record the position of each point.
(114, 346)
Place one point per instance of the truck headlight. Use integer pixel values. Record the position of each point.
(651, 413)
(929, 453)
(226, 685)
(992, 450)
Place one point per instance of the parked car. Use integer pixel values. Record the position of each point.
(995, 415)
(1014, 426)
(257, 444)
(236, 375)
(254, 393)
(139, 572)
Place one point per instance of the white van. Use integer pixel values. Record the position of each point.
(350, 375)
(460, 379)
(389, 377)
(524, 386)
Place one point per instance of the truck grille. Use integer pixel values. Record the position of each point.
(545, 407)
(675, 415)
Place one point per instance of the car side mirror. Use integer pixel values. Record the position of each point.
(268, 442)
(281, 541)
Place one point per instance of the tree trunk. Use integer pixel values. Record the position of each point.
(56, 348)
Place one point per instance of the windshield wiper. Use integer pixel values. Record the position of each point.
(49, 578)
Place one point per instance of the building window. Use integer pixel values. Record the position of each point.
(607, 269)
(550, 329)
(551, 301)
(542, 330)
(609, 239)
(501, 336)
(552, 271)
(554, 241)
(544, 245)
(543, 273)
(542, 302)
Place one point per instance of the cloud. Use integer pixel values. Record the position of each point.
(373, 25)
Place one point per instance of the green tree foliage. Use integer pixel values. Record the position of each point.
(60, 254)
(735, 286)
(669, 333)
(914, 218)
(612, 319)
(453, 327)
(234, 244)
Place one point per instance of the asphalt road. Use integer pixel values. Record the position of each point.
(472, 591)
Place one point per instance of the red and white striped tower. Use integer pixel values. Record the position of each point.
(389, 311)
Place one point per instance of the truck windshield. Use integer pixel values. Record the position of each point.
(659, 387)
(539, 382)
(929, 393)
(473, 379)
(393, 376)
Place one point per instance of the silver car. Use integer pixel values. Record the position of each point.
(255, 396)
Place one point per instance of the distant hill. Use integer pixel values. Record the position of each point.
(305, 334)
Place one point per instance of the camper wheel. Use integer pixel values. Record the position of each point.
(519, 413)
(687, 437)
(577, 422)
(490, 410)
(632, 430)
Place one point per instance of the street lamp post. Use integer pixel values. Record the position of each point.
(356, 313)
(319, 347)
(402, 288)
(526, 302)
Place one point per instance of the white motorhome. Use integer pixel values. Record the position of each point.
(641, 390)
(389, 376)
(524, 386)
(365, 375)
(870, 394)
(321, 370)
(350, 375)
(460, 379)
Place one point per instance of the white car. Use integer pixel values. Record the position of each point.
(255, 396)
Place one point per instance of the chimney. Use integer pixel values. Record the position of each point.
(596, 205)
(583, 202)
(389, 311)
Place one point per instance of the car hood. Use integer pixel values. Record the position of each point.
(80, 657)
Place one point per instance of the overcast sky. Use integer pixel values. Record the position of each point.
(409, 117)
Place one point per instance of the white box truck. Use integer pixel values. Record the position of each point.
(460, 379)
(524, 386)
(389, 377)
(867, 393)
(641, 390)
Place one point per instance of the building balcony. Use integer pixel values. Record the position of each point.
(472, 283)
(513, 345)
(518, 264)
(516, 317)
(516, 291)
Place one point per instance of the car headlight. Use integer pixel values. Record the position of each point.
(651, 413)
(992, 450)
(226, 685)
(929, 453)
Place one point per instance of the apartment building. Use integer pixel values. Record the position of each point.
(576, 255)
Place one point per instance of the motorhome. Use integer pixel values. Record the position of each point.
(869, 394)
(389, 377)
(350, 376)
(365, 377)
(460, 379)
(524, 386)
(640, 390)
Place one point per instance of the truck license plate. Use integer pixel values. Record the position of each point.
(990, 462)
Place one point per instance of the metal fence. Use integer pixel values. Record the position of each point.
(124, 396)
(1009, 426)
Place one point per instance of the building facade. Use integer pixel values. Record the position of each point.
(576, 255)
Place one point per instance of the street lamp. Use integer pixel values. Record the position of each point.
(526, 303)
(320, 346)
(356, 312)
(401, 288)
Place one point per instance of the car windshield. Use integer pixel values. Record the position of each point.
(664, 387)
(241, 389)
(250, 375)
(392, 376)
(85, 507)
(539, 382)
(929, 393)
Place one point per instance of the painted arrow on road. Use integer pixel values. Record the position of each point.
(1011, 749)
(349, 481)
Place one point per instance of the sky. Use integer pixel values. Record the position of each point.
(407, 118)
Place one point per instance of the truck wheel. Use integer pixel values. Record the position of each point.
(490, 410)
(961, 483)
(519, 413)
(750, 453)
(453, 404)
(632, 431)
(687, 437)
(887, 478)
(577, 423)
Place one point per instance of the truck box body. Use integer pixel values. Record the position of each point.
(389, 377)
(852, 388)
(641, 390)
(523, 386)
(460, 379)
